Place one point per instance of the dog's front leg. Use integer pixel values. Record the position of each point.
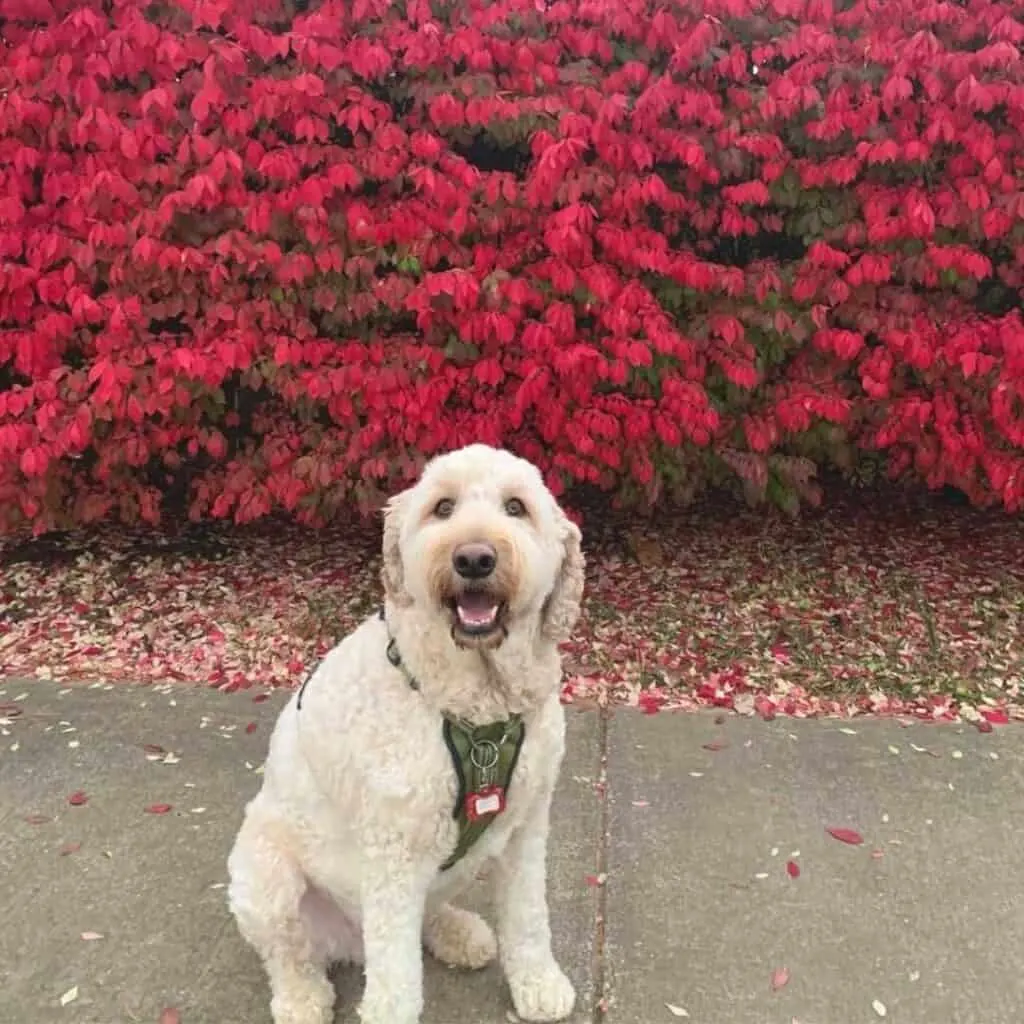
(394, 893)
(540, 990)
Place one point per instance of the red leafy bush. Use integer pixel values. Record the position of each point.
(261, 255)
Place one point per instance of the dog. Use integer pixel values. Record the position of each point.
(423, 750)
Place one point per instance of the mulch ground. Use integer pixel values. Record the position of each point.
(893, 606)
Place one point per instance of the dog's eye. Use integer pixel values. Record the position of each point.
(515, 508)
(444, 508)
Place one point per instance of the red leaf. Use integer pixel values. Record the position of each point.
(792, 869)
(78, 798)
(154, 748)
(251, 727)
(997, 716)
(37, 819)
(70, 848)
(846, 835)
(260, 698)
(780, 978)
(169, 1016)
(716, 745)
(650, 702)
(158, 808)
(984, 725)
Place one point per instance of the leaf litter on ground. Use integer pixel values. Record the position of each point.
(703, 625)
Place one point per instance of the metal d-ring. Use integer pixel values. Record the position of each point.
(482, 749)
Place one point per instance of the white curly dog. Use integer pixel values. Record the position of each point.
(423, 749)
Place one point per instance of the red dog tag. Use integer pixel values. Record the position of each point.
(485, 802)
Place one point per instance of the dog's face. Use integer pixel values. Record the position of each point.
(481, 542)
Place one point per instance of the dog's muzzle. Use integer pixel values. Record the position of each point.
(476, 607)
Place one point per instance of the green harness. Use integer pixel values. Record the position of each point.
(484, 757)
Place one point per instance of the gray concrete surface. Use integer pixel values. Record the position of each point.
(152, 884)
(697, 910)
(932, 928)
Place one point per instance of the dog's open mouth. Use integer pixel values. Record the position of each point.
(476, 612)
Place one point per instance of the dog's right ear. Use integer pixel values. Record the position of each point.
(392, 574)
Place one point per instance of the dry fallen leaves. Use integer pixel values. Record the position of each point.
(792, 869)
(879, 1007)
(780, 978)
(158, 808)
(78, 798)
(70, 996)
(169, 1016)
(69, 848)
(704, 593)
(91, 936)
(846, 835)
(676, 1011)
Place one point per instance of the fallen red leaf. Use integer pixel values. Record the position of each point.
(10, 710)
(260, 698)
(70, 848)
(595, 880)
(154, 748)
(846, 835)
(780, 978)
(650, 703)
(997, 716)
(716, 745)
(36, 819)
(78, 798)
(170, 1016)
(984, 725)
(251, 727)
(158, 808)
(792, 869)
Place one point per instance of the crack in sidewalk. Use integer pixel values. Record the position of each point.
(600, 1006)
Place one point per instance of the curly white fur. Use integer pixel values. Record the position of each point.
(339, 855)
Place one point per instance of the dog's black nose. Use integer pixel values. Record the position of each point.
(474, 561)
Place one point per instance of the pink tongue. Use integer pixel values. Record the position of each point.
(476, 609)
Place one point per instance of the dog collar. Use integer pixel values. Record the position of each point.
(484, 758)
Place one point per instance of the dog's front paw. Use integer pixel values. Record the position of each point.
(382, 1006)
(543, 994)
(460, 938)
(305, 1001)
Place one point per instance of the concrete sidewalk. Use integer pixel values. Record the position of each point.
(697, 914)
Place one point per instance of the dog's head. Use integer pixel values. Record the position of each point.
(481, 541)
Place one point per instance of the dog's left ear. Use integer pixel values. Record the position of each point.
(392, 573)
(562, 608)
